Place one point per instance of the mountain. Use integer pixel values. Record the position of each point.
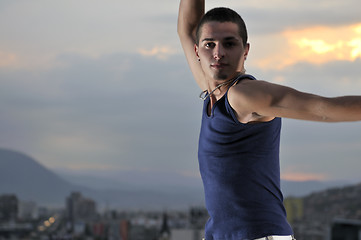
(30, 181)
(300, 189)
(166, 183)
(132, 179)
(23, 176)
(314, 216)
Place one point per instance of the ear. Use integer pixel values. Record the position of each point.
(246, 50)
(196, 50)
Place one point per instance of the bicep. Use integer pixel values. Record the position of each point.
(290, 103)
(190, 13)
(188, 45)
(273, 100)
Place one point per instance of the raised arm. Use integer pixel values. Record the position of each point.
(253, 100)
(190, 13)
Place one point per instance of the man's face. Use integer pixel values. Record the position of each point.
(220, 50)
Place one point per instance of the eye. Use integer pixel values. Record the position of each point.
(229, 44)
(210, 45)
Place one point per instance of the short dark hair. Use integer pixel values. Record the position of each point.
(223, 14)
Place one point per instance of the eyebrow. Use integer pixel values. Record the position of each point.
(225, 39)
(208, 39)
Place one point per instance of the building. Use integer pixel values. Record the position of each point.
(9, 207)
(79, 210)
(28, 210)
(345, 229)
(165, 233)
(294, 209)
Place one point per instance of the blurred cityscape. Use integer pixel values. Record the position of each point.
(333, 214)
(79, 219)
(35, 203)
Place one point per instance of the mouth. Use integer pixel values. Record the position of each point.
(218, 65)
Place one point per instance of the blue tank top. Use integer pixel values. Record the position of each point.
(239, 165)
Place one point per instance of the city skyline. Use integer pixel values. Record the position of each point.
(104, 88)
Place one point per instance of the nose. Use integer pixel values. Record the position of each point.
(218, 52)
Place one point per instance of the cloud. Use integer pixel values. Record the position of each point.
(128, 112)
(316, 45)
(324, 44)
(160, 52)
(311, 150)
(107, 99)
(103, 111)
(7, 59)
(318, 151)
(42, 32)
(264, 17)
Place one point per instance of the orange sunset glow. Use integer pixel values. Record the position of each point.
(298, 176)
(316, 45)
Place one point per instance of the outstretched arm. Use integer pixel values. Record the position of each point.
(254, 99)
(190, 13)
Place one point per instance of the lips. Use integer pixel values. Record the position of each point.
(219, 65)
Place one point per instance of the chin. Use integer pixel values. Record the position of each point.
(221, 76)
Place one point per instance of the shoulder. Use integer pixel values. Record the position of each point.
(249, 91)
(248, 98)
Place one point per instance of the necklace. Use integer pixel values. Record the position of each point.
(204, 94)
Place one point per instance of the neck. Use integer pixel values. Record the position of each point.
(217, 89)
(213, 83)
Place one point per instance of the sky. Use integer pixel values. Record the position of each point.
(102, 87)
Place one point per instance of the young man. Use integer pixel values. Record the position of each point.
(241, 121)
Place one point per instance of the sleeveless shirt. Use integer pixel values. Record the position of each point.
(239, 165)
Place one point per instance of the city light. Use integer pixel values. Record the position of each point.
(51, 220)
